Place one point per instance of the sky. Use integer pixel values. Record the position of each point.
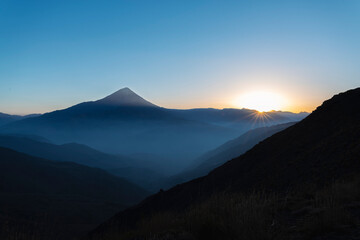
(176, 53)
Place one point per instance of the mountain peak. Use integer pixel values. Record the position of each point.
(125, 89)
(126, 97)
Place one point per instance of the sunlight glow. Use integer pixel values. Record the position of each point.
(261, 101)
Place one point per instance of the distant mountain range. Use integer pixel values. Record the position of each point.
(59, 199)
(125, 123)
(322, 148)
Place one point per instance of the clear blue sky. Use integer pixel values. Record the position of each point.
(180, 54)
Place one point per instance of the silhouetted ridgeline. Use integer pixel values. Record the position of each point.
(311, 168)
(6, 118)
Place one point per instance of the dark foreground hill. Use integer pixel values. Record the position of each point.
(322, 149)
(42, 199)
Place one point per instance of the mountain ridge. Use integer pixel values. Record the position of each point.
(8, 118)
(132, 129)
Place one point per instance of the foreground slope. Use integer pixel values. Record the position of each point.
(323, 147)
(56, 200)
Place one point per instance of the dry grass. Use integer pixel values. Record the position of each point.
(300, 215)
(308, 214)
(224, 216)
(330, 210)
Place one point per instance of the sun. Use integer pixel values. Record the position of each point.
(262, 101)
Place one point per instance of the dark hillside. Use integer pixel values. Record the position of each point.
(64, 198)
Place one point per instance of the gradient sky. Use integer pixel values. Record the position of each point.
(178, 54)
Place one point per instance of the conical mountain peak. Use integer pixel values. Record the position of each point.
(126, 97)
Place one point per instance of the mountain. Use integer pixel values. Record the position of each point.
(125, 97)
(6, 118)
(124, 123)
(43, 199)
(82, 154)
(229, 150)
(322, 148)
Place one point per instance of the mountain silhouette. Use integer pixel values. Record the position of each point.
(124, 123)
(64, 198)
(323, 147)
(125, 97)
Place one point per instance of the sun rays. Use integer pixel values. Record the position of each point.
(259, 118)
